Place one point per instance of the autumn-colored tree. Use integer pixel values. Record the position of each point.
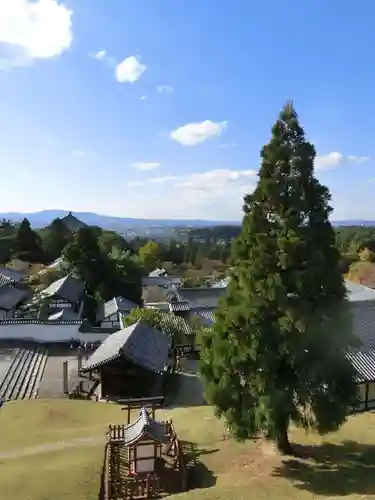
(149, 255)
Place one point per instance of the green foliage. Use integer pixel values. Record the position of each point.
(276, 353)
(28, 244)
(149, 255)
(174, 326)
(105, 275)
(110, 240)
(56, 238)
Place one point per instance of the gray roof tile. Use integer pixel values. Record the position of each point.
(10, 275)
(140, 343)
(145, 425)
(10, 297)
(65, 314)
(67, 288)
(117, 304)
(202, 297)
(207, 317)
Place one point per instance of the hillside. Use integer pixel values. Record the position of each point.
(45, 217)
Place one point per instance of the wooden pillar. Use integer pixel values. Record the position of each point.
(65, 377)
(79, 357)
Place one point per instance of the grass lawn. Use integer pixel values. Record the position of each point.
(341, 465)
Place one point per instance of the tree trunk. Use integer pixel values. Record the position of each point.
(283, 444)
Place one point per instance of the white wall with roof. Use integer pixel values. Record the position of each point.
(43, 332)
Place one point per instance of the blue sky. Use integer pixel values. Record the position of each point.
(159, 108)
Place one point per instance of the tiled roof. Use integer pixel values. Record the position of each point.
(140, 343)
(145, 425)
(117, 304)
(157, 273)
(202, 297)
(161, 281)
(206, 317)
(363, 357)
(65, 314)
(10, 297)
(10, 275)
(67, 288)
(179, 306)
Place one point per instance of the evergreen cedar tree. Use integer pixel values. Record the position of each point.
(105, 277)
(276, 353)
(28, 244)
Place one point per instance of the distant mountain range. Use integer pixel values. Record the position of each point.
(120, 224)
(123, 224)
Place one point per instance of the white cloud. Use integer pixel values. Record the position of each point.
(134, 183)
(146, 165)
(78, 152)
(129, 70)
(330, 160)
(228, 146)
(143, 97)
(102, 54)
(358, 159)
(162, 180)
(31, 30)
(336, 159)
(196, 133)
(165, 89)
(214, 194)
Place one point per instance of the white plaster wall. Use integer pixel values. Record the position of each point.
(47, 333)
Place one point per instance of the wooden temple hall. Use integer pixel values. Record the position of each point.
(143, 459)
(129, 363)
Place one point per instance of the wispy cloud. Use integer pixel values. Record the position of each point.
(143, 97)
(165, 89)
(229, 145)
(162, 180)
(358, 159)
(31, 30)
(196, 133)
(130, 70)
(216, 193)
(78, 152)
(337, 159)
(102, 54)
(146, 165)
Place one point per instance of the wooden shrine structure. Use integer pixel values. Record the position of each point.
(143, 459)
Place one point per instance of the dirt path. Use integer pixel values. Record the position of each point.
(48, 447)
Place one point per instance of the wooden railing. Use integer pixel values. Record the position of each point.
(106, 472)
(135, 488)
(175, 450)
(119, 485)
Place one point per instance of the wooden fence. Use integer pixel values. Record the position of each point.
(175, 450)
(117, 485)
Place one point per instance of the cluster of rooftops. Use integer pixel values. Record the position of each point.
(64, 299)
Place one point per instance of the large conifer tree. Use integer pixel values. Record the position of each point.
(276, 353)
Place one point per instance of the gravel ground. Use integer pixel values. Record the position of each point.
(6, 356)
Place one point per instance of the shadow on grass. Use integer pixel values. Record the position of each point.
(332, 469)
(199, 476)
(185, 390)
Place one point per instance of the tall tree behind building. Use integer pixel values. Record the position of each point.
(28, 244)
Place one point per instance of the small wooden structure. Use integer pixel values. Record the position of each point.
(143, 459)
(130, 363)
